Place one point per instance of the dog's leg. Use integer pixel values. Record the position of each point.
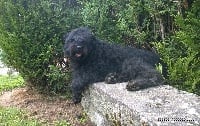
(142, 83)
(147, 78)
(78, 86)
(141, 75)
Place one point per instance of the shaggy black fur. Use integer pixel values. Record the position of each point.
(93, 60)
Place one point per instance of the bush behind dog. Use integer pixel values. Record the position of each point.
(31, 39)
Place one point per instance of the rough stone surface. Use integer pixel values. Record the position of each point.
(112, 105)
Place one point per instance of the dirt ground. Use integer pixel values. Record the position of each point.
(45, 109)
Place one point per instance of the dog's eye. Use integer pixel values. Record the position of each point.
(70, 40)
(78, 47)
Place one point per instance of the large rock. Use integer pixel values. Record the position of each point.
(112, 105)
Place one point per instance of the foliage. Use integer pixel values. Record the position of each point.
(15, 117)
(31, 35)
(101, 16)
(58, 77)
(135, 22)
(31, 39)
(62, 123)
(10, 82)
(181, 52)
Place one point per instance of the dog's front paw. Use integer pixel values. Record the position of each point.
(76, 98)
(111, 78)
(133, 86)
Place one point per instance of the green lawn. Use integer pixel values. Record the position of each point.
(14, 116)
(10, 82)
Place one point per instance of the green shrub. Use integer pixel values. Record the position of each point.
(181, 52)
(31, 34)
(133, 22)
(100, 16)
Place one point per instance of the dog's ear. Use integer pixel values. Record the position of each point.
(86, 29)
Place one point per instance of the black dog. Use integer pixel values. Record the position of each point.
(93, 60)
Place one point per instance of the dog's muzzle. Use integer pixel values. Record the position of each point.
(75, 51)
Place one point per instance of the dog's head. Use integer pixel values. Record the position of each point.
(78, 44)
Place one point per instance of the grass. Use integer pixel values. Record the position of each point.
(15, 117)
(10, 82)
(62, 123)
